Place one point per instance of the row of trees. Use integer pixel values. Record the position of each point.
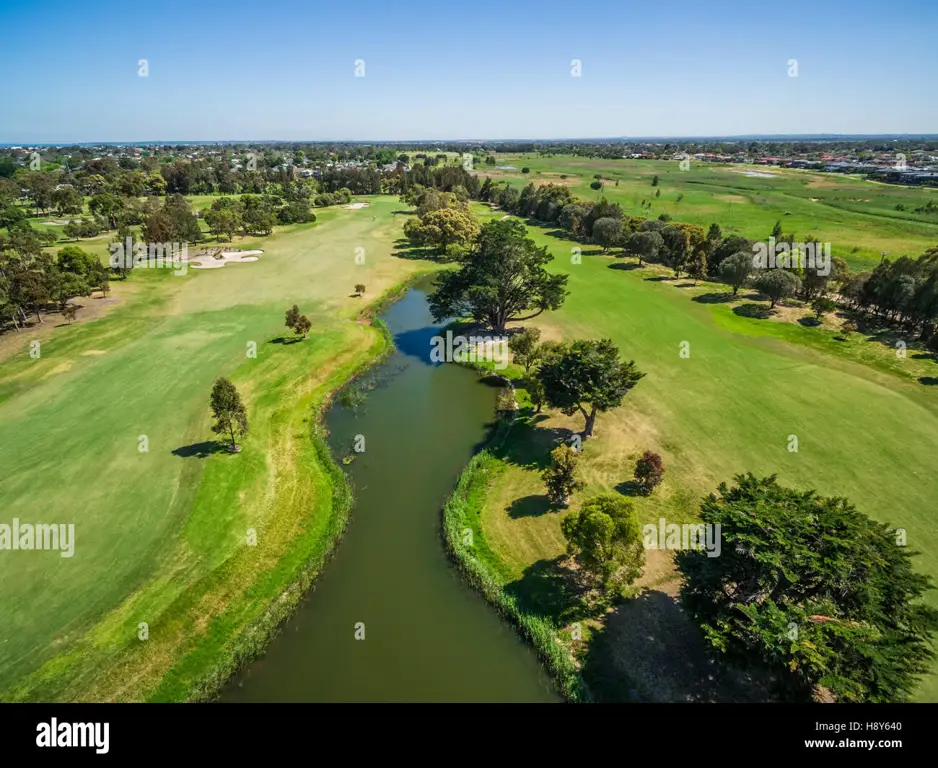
(33, 281)
(904, 292)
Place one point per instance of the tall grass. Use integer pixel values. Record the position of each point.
(482, 570)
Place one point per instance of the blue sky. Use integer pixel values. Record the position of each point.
(237, 70)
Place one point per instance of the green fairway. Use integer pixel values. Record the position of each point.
(731, 406)
(858, 217)
(160, 535)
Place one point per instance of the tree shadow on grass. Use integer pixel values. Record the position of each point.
(286, 340)
(713, 298)
(928, 381)
(657, 279)
(624, 265)
(201, 450)
(529, 506)
(755, 311)
(549, 589)
(630, 488)
(650, 650)
(530, 445)
(809, 322)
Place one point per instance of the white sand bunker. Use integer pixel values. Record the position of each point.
(217, 259)
(757, 174)
(356, 206)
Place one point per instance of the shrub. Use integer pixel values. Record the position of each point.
(649, 471)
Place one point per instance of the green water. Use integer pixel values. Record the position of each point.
(427, 635)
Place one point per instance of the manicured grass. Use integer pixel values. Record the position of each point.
(864, 431)
(856, 216)
(161, 535)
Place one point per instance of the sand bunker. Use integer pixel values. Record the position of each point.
(757, 174)
(356, 206)
(210, 261)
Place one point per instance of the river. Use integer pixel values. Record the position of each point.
(390, 618)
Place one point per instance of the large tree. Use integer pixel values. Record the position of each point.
(501, 280)
(605, 538)
(587, 376)
(231, 418)
(736, 269)
(607, 232)
(809, 587)
(646, 245)
(778, 284)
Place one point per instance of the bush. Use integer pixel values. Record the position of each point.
(525, 170)
(649, 471)
(596, 185)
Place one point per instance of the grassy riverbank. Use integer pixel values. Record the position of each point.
(165, 596)
(731, 406)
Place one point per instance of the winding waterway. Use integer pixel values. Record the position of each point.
(427, 635)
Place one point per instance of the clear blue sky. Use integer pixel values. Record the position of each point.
(464, 70)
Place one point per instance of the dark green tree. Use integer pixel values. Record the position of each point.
(809, 587)
(587, 376)
(230, 415)
(501, 280)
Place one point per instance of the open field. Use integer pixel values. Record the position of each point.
(160, 535)
(866, 430)
(856, 216)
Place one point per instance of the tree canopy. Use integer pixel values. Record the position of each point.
(809, 587)
(502, 279)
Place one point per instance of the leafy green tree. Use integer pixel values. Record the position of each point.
(230, 415)
(676, 247)
(697, 266)
(535, 389)
(11, 214)
(561, 477)
(73, 259)
(109, 206)
(736, 269)
(292, 317)
(777, 284)
(822, 305)
(65, 286)
(223, 221)
(607, 232)
(501, 280)
(525, 348)
(605, 538)
(360, 288)
(443, 227)
(67, 201)
(646, 245)
(654, 181)
(303, 326)
(587, 376)
(777, 230)
(812, 589)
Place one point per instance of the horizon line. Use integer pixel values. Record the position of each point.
(609, 139)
